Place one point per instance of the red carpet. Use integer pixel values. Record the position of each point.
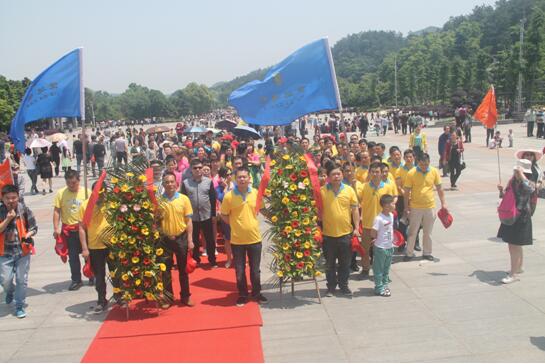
(215, 330)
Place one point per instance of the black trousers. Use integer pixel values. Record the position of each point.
(455, 172)
(530, 129)
(253, 252)
(74, 250)
(209, 238)
(404, 128)
(99, 259)
(337, 249)
(57, 162)
(121, 157)
(33, 174)
(540, 130)
(177, 247)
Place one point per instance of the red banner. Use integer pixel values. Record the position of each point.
(5, 174)
(93, 200)
(263, 184)
(149, 187)
(315, 182)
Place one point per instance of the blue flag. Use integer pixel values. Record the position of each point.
(302, 83)
(56, 92)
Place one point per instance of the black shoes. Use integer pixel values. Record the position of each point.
(101, 307)
(364, 273)
(408, 258)
(262, 300)
(428, 257)
(74, 286)
(346, 292)
(330, 293)
(241, 301)
(417, 248)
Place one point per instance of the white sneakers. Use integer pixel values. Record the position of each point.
(509, 279)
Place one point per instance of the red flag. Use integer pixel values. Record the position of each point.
(263, 185)
(487, 113)
(5, 174)
(93, 200)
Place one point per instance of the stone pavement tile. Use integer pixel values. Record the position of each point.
(393, 336)
(316, 348)
(452, 289)
(296, 328)
(505, 325)
(409, 352)
(10, 322)
(314, 312)
(478, 306)
(70, 350)
(534, 355)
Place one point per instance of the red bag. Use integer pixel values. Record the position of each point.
(61, 248)
(190, 264)
(445, 217)
(356, 246)
(88, 269)
(399, 239)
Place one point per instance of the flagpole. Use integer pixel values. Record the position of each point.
(82, 112)
(499, 168)
(334, 80)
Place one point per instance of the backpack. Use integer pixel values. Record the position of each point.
(507, 210)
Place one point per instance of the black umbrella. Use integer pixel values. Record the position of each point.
(245, 132)
(226, 124)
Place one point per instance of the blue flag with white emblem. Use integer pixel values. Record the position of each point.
(56, 92)
(302, 83)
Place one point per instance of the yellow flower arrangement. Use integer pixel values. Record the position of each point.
(306, 221)
(307, 244)
(280, 274)
(146, 205)
(113, 240)
(306, 181)
(289, 166)
(148, 273)
(288, 229)
(122, 254)
(145, 230)
(125, 188)
(114, 180)
(159, 286)
(293, 187)
(159, 252)
(132, 240)
(294, 214)
(285, 200)
(274, 219)
(142, 178)
(125, 277)
(286, 246)
(138, 282)
(273, 163)
(298, 233)
(299, 255)
(116, 290)
(286, 157)
(135, 260)
(163, 267)
(123, 236)
(147, 249)
(267, 192)
(302, 197)
(130, 174)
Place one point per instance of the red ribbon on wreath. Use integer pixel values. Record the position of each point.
(149, 187)
(263, 184)
(315, 182)
(93, 199)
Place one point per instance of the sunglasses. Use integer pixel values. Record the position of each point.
(197, 167)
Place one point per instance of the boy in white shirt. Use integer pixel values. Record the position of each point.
(383, 233)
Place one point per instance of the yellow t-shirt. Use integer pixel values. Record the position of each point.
(175, 213)
(361, 174)
(96, 226)
(421, 185)
(242, 216)
(392, 181)
(337, 212)
(216, 146)
(393, 170)
(370, 201)
(69, 203)
(402, 174)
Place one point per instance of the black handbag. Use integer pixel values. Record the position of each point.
(463, 163)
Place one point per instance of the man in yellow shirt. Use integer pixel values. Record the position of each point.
(238, 211)
(177, 235)
(364, 160)
(66, 211)
(369, 198)
(420, 204)
(340, 218)
(93, 248)
(401, 176)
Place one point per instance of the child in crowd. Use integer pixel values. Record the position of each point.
(510, 138)
(383, 233)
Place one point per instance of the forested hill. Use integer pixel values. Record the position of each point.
(448, 65)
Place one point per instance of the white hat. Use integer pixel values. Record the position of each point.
(537, 153)
(525, 165)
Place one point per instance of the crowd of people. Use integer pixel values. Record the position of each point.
(209, 183)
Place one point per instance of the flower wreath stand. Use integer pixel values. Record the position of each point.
(291, 191)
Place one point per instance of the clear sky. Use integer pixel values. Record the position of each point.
(165, 44)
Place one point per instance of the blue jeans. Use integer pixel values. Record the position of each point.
(382, 260)
(19, 266)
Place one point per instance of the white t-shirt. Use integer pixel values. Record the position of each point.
(384, 225)
(30, 162)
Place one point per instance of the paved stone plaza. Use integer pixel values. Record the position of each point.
(451, 310)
